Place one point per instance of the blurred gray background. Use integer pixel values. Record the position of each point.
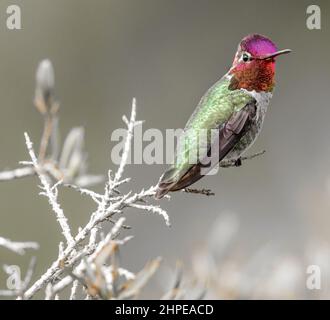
(167, 53)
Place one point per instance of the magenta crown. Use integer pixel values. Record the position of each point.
(258, 45)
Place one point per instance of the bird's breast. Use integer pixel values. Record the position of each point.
(262, 102)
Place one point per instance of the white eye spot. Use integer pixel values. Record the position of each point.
(245, 57)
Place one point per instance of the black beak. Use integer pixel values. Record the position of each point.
(273, 55)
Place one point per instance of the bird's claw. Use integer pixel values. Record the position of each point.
(238, 162)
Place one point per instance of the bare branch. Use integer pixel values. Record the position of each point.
(205, 192)
(233, 163)
(18, 247)
(51, 193)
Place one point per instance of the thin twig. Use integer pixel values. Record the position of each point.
(17, 173)
(74, 289)
(95, 196)
(205, 192)
(51, 193)
(29, 273)
(233, 163)
(130, 128)
(18, 247)
(47, 132)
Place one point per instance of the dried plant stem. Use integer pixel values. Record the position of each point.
(47, 132)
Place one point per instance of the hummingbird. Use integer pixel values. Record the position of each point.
(235, 106)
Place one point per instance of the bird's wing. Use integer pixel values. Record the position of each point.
(228, 136)
(225, 110)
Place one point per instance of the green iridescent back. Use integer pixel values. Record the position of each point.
(213, 110)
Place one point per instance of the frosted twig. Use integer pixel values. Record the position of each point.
(92, 237)
(58, 287)
(44, 279)
(18, 247)
(130, 128)
(115, 229)
(73, 294)
(95, 196)
(55, 267)
(99, 255)
(17, 173)
(134, 286)
(131, 202)
(29, 273)
(50, 193)
(153, 209)
(48, 292)
(8, 293)
(121, 272)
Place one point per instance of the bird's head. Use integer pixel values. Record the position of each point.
(254, 64)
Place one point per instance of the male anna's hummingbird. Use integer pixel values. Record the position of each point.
(235, 106)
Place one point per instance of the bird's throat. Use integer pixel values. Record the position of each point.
(257, 75)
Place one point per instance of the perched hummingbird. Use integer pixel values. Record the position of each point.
(235, 106)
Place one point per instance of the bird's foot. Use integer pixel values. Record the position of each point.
(205, 192)
(238, 162)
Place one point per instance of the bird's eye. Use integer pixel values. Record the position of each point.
(245, 57)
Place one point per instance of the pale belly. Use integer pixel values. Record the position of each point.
(250, 137)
